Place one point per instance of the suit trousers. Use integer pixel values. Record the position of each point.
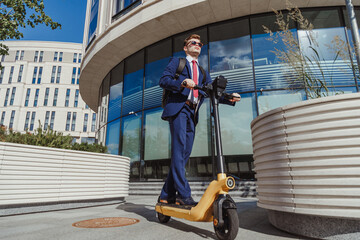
(182, 129)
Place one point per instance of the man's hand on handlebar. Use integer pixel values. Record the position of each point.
(188, 83)
(234, 97)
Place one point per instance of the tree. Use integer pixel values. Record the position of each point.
(13, 14)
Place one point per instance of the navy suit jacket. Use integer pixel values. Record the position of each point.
(179, 94)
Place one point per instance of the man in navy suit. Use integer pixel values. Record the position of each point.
(181, 110)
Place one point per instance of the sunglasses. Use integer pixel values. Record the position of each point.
(196, 43)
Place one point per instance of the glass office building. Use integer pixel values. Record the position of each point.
(129, 96)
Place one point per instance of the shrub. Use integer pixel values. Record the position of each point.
(48, 138)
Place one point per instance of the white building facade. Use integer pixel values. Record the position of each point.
(39, 84)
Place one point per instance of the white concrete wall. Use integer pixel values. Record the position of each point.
(32, 174)
(307, 157)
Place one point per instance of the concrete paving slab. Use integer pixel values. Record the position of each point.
(254, 224)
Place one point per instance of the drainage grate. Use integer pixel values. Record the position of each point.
(106, 222)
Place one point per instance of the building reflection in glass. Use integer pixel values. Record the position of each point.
(130, 101)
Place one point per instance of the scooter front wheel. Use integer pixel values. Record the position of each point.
(162, 218)
(231, 225)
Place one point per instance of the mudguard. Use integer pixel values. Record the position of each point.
(222, 203)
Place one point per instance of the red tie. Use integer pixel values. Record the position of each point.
(195, 77)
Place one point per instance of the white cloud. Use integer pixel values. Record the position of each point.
(115, 91)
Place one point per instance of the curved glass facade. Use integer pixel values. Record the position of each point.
(130, 97)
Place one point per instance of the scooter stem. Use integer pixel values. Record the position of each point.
(219, 151)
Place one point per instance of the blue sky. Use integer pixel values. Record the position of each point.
(69, 13)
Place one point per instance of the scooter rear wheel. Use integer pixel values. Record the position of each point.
(162, 218)
(231, 225)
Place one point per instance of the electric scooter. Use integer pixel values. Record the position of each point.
(215, 205)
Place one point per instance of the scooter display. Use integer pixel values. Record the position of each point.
(215, 205)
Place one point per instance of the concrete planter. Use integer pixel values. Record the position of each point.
(307, 163)
(36, 175)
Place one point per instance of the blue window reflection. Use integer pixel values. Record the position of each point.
(112, 137)
(115, 101)
(133, 86)
(324, 62)
(121, 5)
(133, 83)
(153, 73)
(93, 20)
(341, 90)
(269, 73)
(232, 59)
(116, 91)
(230, 54)
(230, 51)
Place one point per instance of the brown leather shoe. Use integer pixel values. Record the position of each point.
(166, 201)
(186, 201)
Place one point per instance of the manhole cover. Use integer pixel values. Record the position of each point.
(106, 222)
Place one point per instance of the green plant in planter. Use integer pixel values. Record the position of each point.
(304, 69)
(48, 138)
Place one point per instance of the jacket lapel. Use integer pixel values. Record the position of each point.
(200, 78)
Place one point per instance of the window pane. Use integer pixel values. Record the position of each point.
(93, 20)
(350, 37)
(230, 55)
(68, 118)
(157, 58)
(53, 74)
(323, 18)
(73, 123)
(123, 4)
(104, 100)
(93, 122)
(112, 137)
(202, 139)
(131, 126)
(157, 136)
(116, 90)
(2, 74)
(58, 74)
(235, 125)
(39, 75)
(34, 75)
(133, 83)
(268, 70)
(326, 65)
(274, 99)
(341, 90)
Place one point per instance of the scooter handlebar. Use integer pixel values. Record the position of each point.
(227, 96)
(197, 87)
